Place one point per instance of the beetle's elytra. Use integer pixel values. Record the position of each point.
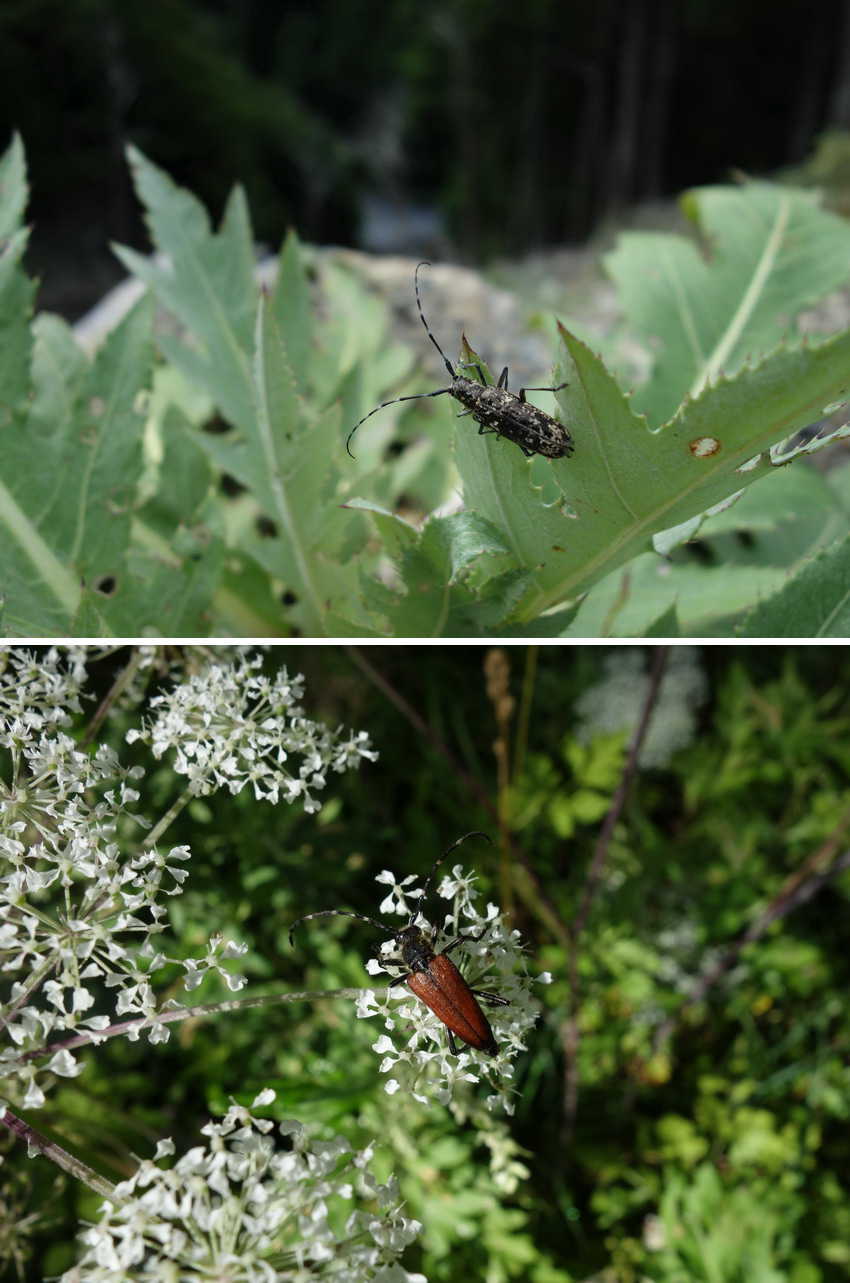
(494, 409)
(433, 977)
(441, 987)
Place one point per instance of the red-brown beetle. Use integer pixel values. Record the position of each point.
(433, 977)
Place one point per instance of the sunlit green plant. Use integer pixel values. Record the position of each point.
(209, 491)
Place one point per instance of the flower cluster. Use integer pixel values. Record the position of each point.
(422, 1063)
(231, 725)
(80, 906)
(39, 690)
(243, 1209)
(615, 702)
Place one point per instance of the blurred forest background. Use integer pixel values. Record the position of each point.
(461, 128)
(691, 1122)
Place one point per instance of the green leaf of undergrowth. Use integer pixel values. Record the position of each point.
(437, 593)
(237, 356)
(815, 603)
(205, 281)
(77, 557)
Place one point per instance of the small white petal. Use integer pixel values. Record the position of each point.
(64, 1064)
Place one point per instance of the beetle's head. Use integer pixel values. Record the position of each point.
(415, 947)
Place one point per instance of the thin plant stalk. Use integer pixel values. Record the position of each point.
(570, 1034)
(36, 1142)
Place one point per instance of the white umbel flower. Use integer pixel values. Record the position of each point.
(415, 1048)
(81, 904)
(232, 726)
(248, 1208)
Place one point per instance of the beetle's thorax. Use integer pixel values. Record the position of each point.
(467, 391)
(415, 948)
(491, 406)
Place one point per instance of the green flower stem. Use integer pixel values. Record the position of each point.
(29, 988)
(170, 815)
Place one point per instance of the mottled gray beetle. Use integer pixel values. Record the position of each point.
(494, 409)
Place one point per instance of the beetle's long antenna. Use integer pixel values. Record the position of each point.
(476, 833)
(341, 913)
(417, 396)
(425, 263)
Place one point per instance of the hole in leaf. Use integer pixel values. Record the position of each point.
(230, 486)
(217, 426)
(266, 528)
(106, 585)
(701, 551)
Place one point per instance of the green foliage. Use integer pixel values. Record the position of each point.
(212, 493)
(722, 1235)
(721, 1155)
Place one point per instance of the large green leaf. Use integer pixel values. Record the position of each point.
(79, 556)
(275, 380)
(766, 252)
(16, 291)
(70, 466)
(743, 555)
(625, 482)
(206, 281)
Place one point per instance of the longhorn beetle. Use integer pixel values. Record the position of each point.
(433, 977)
(494, 409)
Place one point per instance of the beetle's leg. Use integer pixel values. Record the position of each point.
(462, 939)
(463, 414)
(484, 429)
(397, 980)
(529, 454)
(452, 1043)
(480, 374)
(494, 999)
(503, 379)
(523, 391)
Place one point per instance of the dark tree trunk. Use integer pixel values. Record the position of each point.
(588, 164)
(839, 102)
(657, 116)
(809, 94)
(628, 122)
